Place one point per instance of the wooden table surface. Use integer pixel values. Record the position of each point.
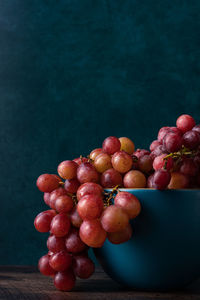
(24, 282)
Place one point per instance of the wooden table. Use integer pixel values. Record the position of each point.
(24, 282)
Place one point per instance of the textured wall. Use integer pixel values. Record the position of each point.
(74, 72)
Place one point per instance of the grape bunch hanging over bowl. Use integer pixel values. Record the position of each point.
(82, 214)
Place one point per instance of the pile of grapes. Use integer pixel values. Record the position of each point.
(83, 214)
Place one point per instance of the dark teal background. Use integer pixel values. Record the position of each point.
(74, 72)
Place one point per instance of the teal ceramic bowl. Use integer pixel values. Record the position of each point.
(164, 251)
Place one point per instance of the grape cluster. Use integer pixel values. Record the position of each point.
(83, 214)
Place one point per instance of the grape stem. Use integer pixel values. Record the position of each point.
(110, 195)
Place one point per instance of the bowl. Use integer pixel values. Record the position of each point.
(164, 251)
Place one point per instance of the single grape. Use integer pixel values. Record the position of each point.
(95, 153)
(54, 195)
(159, 162)
(55, 244)
(114, 219)
(129, 203)
(46, 183)
(102, 162)
(122, 236)
(127, 145)
(162, 132)
(75, 218)
(189, 168)
(71, 185)
(185, 123)
(134, 179)
(196, 128)
(178, 181)
(73, 242)
(64, 204)
(89, 188)
(145, 163)
(46, 198)
(83, 267)
(122, 161)
(60, 225)
(60, 261)
(80, 160)
(92, 233)
(161, 179)
(44, 266)
(172, 142)
(111, 145)
(87, 173)
(90, 207)
(141, 152)
(110, 178)
(191, 139)
(65, 281)
(154, 145)
(42, 221)
(67, 169)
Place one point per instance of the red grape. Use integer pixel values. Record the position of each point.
(114, 219)
(60, 261)
(110, 178)
(159, 162)
(122, 236)
(191, 139)
(64, 204)
(111, 145)
(65, 281)
(89, 188)
(157, 151)
(95, 153)
(73, 242)
(122, 161)
(90, 207)
(150, 181)
(83, 267)
(145, 163)
(178, 181)
(60, 225)
(102, 162)
(55, 244)
(46, 198)
(75, 218)
(67, 169)
(54, 195)
(189, 168)
(161, 179)
(44, 266)
(172, 142)
(87, 173)
(92, 233)
(162, 132)
(129, 203)
(196, 128)
(127, 145)
(42, 221)
(185, 123)
(141, 152)
(46, 183)
(134, 179)
(154, 144)
(71, 185)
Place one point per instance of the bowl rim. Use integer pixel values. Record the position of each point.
(153, 189)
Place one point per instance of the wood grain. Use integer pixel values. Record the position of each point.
(25, 283)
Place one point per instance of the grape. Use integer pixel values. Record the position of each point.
(102, 162)
(42, 221)
(86, 173)
(64, 204)
(92, 233)
(110, 178)
(46, 198)
(60, 261)
(122, 161)
(80, 160)
(185, 123)
(75, 218)
(111, 145)
(154, 145)
(73, 242)
(191, 139)
(161, 179)
(172, 142)
(44, 266)
(60, 225)
(189, 168)
(54, 195)
(83, 267)
(122, 236)
(52, 212)
(114, 219)
(127, 145)
(196, 128)
(134, 179)
(145, 163)
(65, 281)
(150, 181)
(71, 185)
(157, 151)
(90, 207)
(55, 244)
(67, 169)
(95, 153)
(46, 183)
(175, 130)
(89, 188)
(178, 181)
(162, 132)
(141, 152)
(129, 203)
(159, 162)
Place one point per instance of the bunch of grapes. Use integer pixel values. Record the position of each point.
(83, 214)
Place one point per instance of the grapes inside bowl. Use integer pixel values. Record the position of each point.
(164, 251)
